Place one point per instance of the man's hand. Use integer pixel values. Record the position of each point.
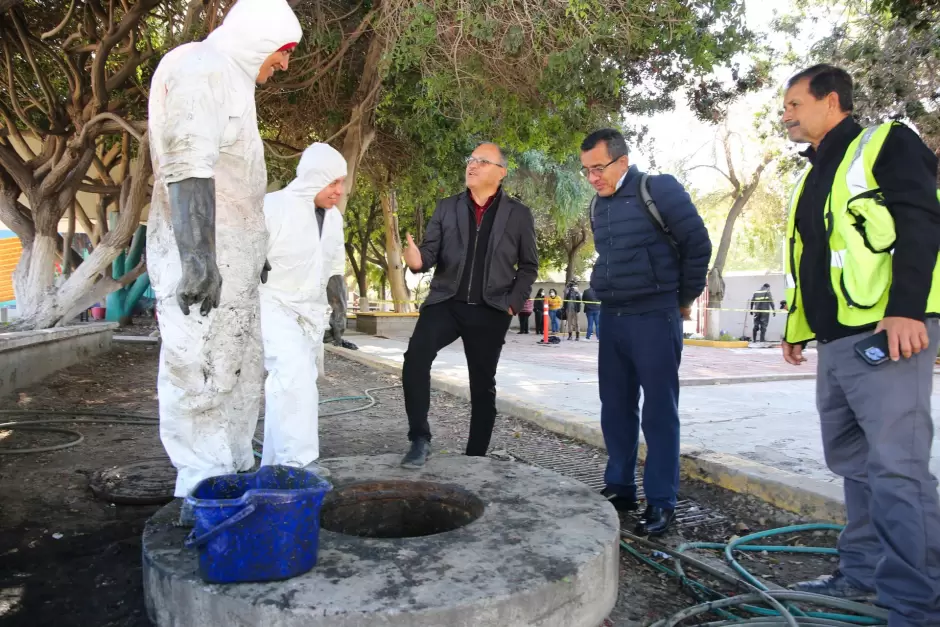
(336, 296)
(192, 211)
(200, 283)
(793, 353)
(264, 271)
(511, 312)
(686, 313)
(906, 337)
(412, 255)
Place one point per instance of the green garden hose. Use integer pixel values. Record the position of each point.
(756, 592)
(115, 418)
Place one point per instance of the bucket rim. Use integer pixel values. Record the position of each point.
(270, 495)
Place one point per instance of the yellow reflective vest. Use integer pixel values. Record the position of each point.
(861, 243)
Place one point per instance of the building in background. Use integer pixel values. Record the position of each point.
(10, 251)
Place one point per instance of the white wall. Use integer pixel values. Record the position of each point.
(739, 288)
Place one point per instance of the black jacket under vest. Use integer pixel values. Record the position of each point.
(503, 266)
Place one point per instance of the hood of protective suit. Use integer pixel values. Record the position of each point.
(255, 29)
(320, 165)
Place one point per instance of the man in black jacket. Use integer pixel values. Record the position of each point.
(481, 244)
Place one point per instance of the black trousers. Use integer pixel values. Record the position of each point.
(524, 322)
(539, 321)
(483, 330)
(760, 325)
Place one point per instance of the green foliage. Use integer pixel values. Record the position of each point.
(892, 50)
(559, 197)
(757, 239)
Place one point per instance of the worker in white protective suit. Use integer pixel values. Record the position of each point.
(206, 239)
(306, 259)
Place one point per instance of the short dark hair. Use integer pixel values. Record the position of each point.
(502, 156)
(825, 79)
(616, 144)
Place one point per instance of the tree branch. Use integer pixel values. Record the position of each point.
(40, 76)
(16, 137)
(118, 78)
(13, 91)
(58, 29)
(101, 117)
(712, 167)
(16, 168)
(103, 52)
(348, 41)
(726, 142)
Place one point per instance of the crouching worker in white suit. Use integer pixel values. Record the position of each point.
(206, 241)
(306, 261)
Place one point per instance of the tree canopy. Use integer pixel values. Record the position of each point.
(404, 88)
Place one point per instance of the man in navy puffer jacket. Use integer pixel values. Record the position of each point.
(646, 279)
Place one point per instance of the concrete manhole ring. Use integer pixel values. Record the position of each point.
(532, 547)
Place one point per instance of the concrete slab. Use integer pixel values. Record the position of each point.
(544, 553)
(28, 356)
(136, 339)
(386, 324)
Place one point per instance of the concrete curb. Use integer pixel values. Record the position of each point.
(747, 378)
(807, 497)
(716, 343)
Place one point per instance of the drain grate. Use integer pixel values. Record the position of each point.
(587, 466)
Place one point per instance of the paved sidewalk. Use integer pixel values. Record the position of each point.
(767, 428)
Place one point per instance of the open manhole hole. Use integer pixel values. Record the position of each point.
(398, 509)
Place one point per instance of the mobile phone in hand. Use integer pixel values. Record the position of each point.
(874, 349)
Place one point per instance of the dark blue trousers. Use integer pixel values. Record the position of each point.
(641, 351)
(594, 323)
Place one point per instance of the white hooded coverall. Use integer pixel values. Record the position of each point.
(294, 305)
(203, 124)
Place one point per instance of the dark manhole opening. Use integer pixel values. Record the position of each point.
(398, 509)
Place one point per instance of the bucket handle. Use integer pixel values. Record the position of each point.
(194, 541)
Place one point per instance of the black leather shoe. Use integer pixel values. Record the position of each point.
(835, 585)
(620, 503)
(418, 454)
(655, 521)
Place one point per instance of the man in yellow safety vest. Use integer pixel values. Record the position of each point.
(863, 241)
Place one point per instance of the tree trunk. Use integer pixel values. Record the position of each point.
(44, 306)
(575, 242)
(36, 273)
(393, 253)
(713, 324)
(361, 130)
(716, 283)
(67, 244)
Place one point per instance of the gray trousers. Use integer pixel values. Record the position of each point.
(877, 433)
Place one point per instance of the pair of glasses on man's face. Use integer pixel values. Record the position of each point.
(479, 161)
(596, 170)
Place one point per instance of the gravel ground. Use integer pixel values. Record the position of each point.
(70, 559)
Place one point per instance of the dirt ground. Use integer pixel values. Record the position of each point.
(67, 558)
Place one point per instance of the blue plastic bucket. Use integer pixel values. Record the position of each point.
(258, 526)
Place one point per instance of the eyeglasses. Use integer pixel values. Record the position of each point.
(478, 161)
(597, 170)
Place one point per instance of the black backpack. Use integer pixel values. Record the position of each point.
(652, 212)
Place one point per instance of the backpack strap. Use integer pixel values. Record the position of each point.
(591, 210)
(652, 211)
